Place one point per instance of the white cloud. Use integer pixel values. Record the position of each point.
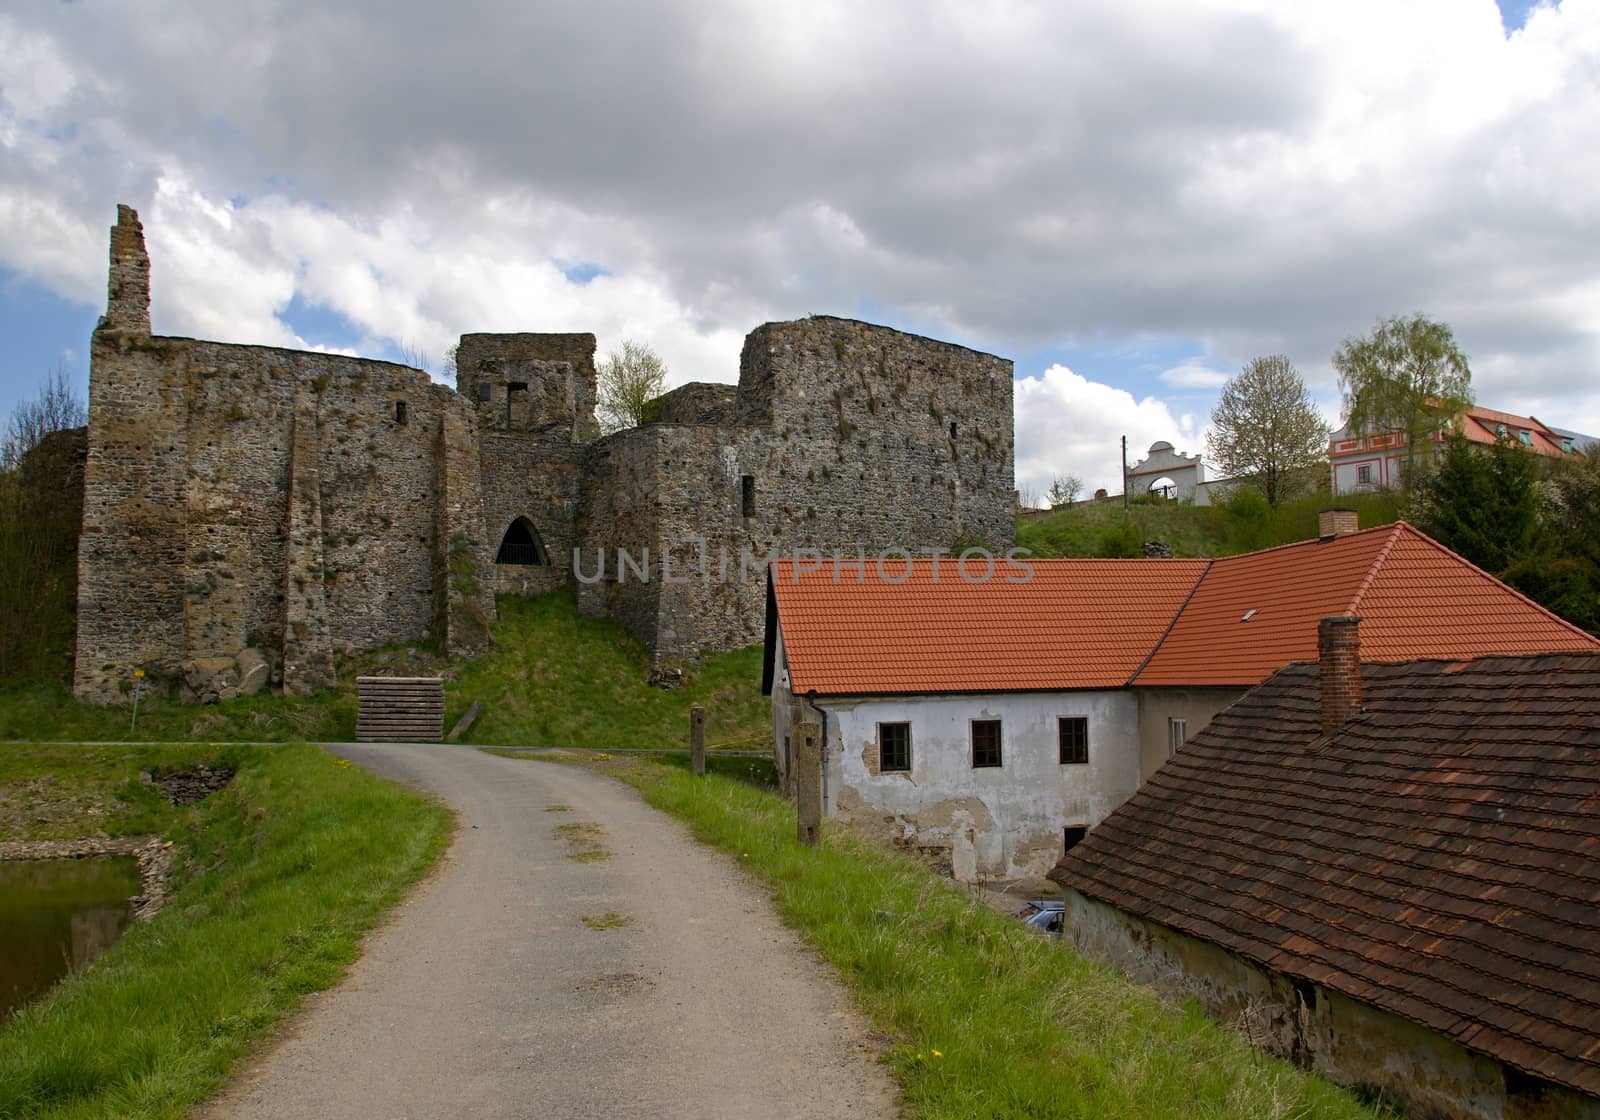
(1069, 425)
(1252, 176)
(1194, 375)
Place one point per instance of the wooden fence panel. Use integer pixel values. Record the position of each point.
(400, 709)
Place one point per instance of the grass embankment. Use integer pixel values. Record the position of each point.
(555, 678)
(989, 1019)
(278, 876)
(1091, 528)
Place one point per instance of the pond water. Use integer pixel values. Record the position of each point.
(57, 915)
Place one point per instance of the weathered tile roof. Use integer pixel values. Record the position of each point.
(1073, 624)
(1415, 597)
(1110, 623)
(1437, 857)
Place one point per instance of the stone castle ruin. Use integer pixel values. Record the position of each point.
(250, 512)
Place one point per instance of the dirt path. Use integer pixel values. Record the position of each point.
(486, 995)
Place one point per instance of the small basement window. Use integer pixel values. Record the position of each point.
(1073, 734)
(985, 743)
(400, 412)
(894, 748)
(1072, 836)
(747, 495)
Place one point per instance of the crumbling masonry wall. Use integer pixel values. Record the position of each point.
(249, 506)
(848, 437)
(250, 498)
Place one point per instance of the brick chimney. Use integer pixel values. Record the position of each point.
(1336, 523)
(1339, 653)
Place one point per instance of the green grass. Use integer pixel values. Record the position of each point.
(56, 792)
(555, 678)
(1194, 530)
(278, 876)
(988, 1019)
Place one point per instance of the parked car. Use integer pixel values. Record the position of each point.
(1045, 915)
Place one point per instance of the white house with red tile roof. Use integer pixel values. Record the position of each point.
(989, 714)
(1361, 461)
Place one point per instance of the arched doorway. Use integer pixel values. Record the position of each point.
(1166, 486)
(521, 545)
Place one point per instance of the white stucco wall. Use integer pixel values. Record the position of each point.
(1001, 822)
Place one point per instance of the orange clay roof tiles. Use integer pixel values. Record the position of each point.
(1415, 597)
(1073, 624)
(1109, 623)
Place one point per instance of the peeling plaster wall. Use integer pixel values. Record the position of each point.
(981, 824)
(1348, 1042)
(1199, 706)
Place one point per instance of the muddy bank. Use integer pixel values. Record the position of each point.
(153, 853)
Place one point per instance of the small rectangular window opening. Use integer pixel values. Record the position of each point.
(1073, 836)
(1363, 474)
(1073, 733)
(1177, 732)
(894, 748)
(485, 391)
(747, 495)
(985, 742)
(399, 412)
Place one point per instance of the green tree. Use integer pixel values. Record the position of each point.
(1483, 504)
(54, 408)
(628, 381)
(41, 504)
(1064, 490)
(1266, 429)
(1563, 571)
(1408, 375)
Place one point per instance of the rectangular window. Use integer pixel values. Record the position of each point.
(1073, 732)
(399, 412)
(1177, 732)
(985, 742)
(1364, 475)
(485, 390)
(894, 747)
(747, 495)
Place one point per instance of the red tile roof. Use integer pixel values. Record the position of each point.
(1109, 623)
(1437, 857)
(1482, 425)
(1074, 624)
(1415, 597)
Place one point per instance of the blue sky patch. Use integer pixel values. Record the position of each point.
(42, 331)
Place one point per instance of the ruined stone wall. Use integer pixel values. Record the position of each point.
(250, 498)
(881, 437)
(534, 397)
(242, 497)
(851, 437)
(195, 449)
(698, 402)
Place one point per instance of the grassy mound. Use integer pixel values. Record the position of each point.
(555, 678)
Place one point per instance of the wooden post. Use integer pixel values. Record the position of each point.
(697, 740)
(808, 785)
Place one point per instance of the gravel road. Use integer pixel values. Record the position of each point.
(486, 995)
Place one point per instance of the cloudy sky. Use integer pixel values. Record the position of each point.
(1129, 198)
